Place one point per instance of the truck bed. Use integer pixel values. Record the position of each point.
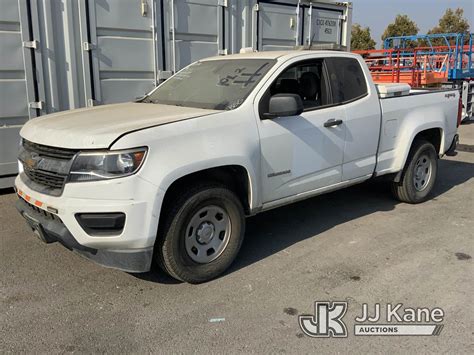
(404, 116)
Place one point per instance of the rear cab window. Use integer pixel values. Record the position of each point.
(348, 82)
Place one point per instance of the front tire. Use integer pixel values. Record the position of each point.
(201, 234)
(419, 174)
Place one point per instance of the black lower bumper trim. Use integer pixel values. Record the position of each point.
(101, 224)
(452, 149)
(51, 229)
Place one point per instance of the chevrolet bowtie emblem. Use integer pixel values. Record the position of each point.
(30, 163)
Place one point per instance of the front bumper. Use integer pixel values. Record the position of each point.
(54, 219)
(51, 229)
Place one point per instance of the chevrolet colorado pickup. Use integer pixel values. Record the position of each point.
(169, 179)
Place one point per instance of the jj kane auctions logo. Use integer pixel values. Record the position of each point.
(327, 320)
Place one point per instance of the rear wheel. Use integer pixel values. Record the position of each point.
(201, 234)
(419, 174)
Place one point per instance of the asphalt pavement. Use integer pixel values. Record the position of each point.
(356, 245)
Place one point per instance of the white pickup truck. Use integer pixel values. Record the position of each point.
(169, 179)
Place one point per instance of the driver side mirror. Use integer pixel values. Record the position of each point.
(282, 105)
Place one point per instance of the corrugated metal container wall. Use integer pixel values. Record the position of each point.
(16, 88)
(66, 54)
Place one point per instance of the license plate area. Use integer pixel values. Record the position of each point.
(36, 227)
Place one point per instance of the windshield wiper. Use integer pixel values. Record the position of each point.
(146, 100)
(142, 98)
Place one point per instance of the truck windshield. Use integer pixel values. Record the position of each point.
(215, 84)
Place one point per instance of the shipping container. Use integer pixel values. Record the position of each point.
(63, 54)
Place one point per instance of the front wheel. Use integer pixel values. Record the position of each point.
(201, 234)
(419, 174)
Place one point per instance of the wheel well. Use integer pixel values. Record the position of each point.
(235, 177)
(432, 135)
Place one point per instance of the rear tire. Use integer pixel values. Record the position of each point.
(419, 173)
(201, 234)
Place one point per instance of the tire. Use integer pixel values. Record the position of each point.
(202, 233)
(419, 173)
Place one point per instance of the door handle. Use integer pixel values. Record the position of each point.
(332, 122)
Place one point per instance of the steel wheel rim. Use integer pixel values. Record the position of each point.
(422, 173)
(207, 234)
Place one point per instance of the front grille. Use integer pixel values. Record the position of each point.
(51, 152)
(46, 178)
(46, 167)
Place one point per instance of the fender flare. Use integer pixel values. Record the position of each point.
(398, 177)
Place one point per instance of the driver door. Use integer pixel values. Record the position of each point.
(300, 154)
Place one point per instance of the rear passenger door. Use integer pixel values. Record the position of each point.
(350, 90)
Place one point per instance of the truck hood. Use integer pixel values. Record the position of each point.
(98, 127)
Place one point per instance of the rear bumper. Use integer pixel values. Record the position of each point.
(50, 229)
(454, 144)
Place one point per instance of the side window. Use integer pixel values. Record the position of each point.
(347, 79)
(306, 79)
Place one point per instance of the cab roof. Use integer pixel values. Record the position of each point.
(275, 54)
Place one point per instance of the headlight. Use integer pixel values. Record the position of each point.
(106, 165)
